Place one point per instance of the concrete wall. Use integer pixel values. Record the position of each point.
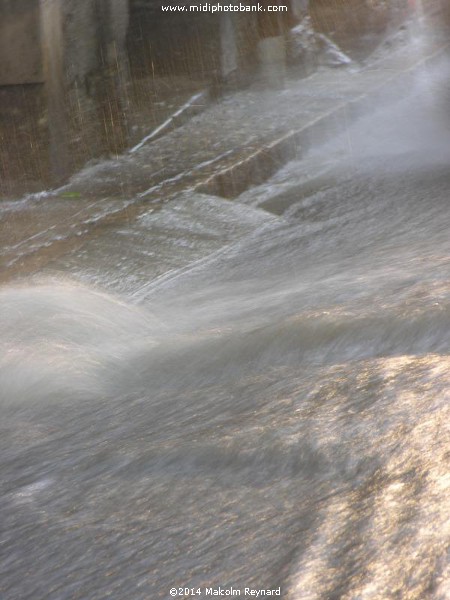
(85, 71)
(210, 48)
(238, 51)
(176, 43)
(20, 56)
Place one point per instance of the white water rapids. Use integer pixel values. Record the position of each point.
(250, 394)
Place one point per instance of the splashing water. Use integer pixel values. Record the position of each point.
(271, 413)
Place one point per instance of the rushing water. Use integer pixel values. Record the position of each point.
(242, 394)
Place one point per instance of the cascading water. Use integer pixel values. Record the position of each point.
(260, 398)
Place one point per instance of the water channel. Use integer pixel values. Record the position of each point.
(247, 393)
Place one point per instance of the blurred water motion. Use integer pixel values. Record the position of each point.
(259, 399)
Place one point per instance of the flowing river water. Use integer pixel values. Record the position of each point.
(250, 393)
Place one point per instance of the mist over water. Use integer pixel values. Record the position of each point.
(270, 407)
